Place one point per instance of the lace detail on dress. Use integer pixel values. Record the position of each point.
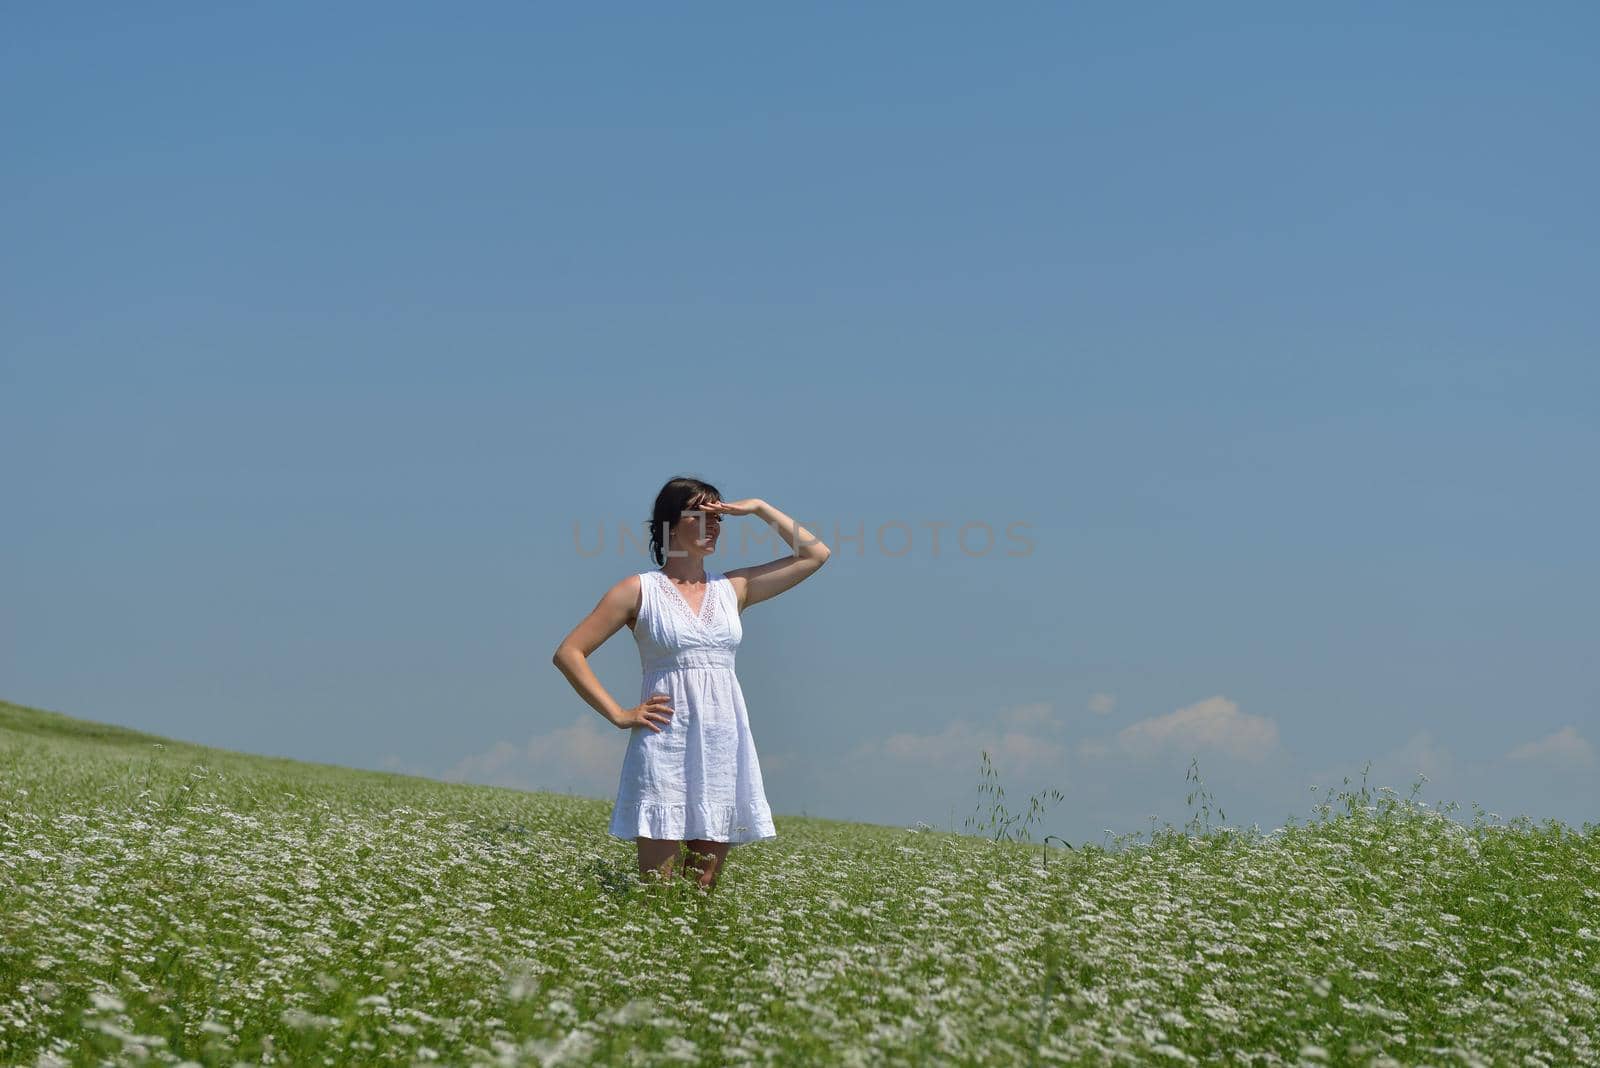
(707, 608)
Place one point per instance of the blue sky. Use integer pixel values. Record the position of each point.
(322, 331)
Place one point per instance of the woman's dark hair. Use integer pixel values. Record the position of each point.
(674, 499)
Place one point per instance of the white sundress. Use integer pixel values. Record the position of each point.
(698, 777)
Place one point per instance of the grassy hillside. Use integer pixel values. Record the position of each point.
(165, 902)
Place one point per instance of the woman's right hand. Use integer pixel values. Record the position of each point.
(656, 709)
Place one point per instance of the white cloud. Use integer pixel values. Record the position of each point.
(584, 758)
(1420, 754)
(1041, 714)
(398, 764)
(1397, 769)
(1565, 749)
(772, 763)
(1093, 749)
(1215, 724)
(1102, 704)
(1016, 744)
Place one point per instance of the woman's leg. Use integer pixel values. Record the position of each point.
(706, 859)
(657, 855)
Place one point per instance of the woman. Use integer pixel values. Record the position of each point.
(690, 776)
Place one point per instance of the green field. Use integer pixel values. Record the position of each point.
(162, 903)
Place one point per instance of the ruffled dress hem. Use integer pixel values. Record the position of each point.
(709, 823)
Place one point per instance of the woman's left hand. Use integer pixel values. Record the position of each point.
(744, 507)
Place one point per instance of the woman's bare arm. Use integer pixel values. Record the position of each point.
(618, 606)
(763, 582)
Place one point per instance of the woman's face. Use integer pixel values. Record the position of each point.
(696, 531)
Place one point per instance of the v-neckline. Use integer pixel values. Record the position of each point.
(702, 618)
